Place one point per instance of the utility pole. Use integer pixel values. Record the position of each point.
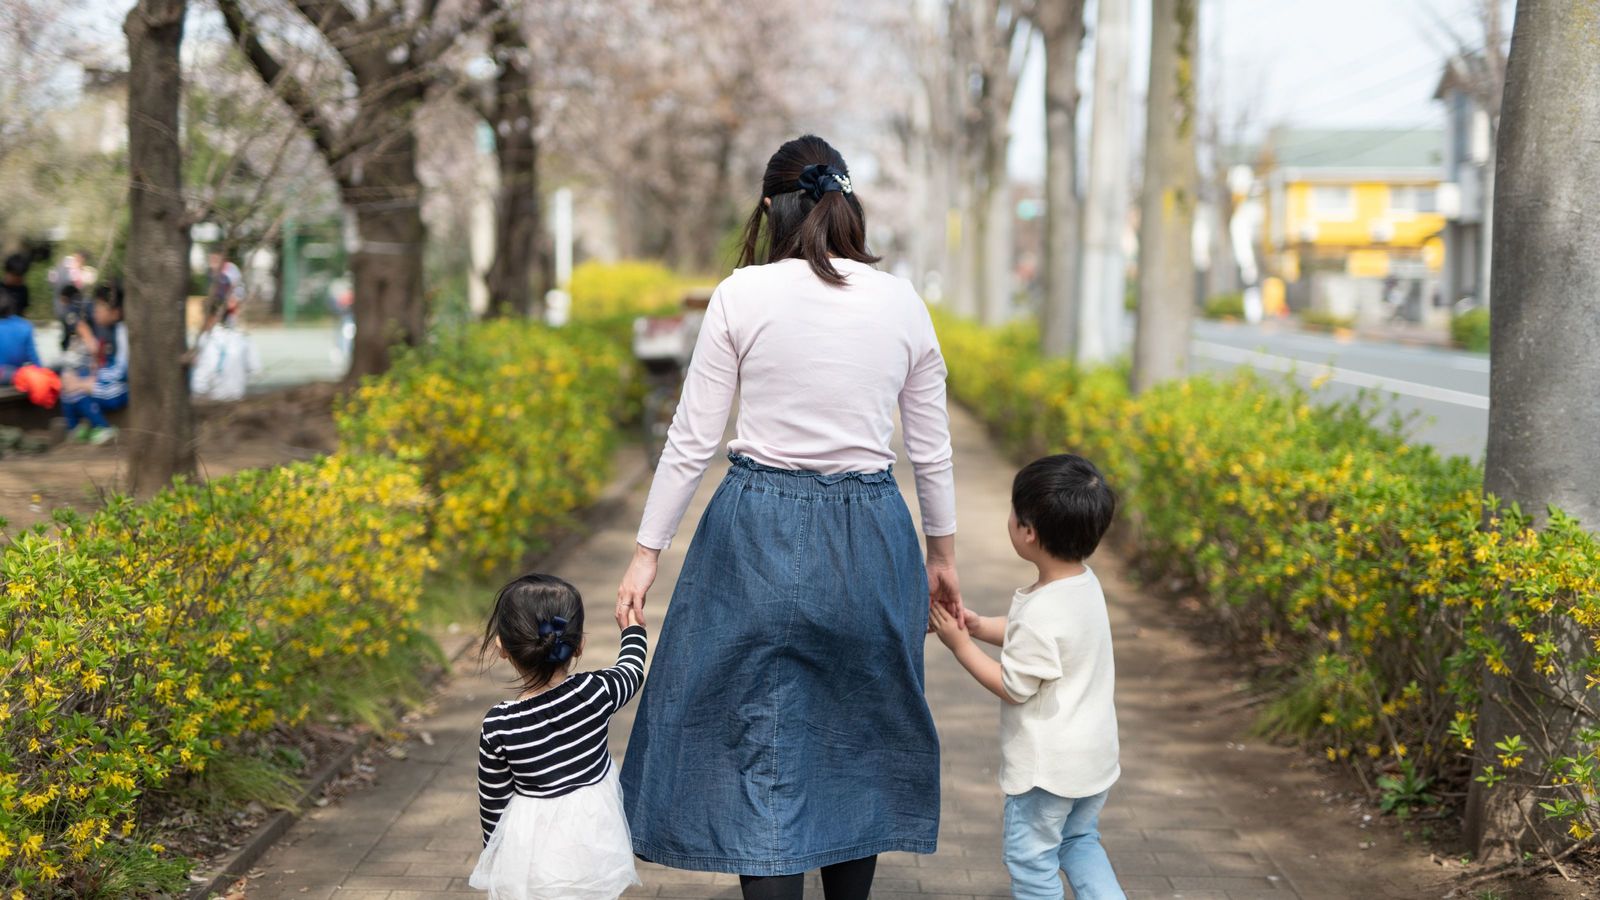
(1166, 208)
(1105, 202)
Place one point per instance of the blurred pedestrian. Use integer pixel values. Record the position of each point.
(76, 314)
(69, 272)
(95, 381)
(13, 283)
(17, 348)
(225, 360)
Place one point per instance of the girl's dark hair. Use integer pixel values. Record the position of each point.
(520, 609)
(799, 227)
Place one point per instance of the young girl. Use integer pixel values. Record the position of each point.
(548, 795)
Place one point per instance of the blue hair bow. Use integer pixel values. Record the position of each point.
(556, 625)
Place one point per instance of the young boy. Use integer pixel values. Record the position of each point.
(1058, 726)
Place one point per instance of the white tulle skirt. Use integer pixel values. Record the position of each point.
(573, 847)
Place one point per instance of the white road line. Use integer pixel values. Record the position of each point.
(1275, 363)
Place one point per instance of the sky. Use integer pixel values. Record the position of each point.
(1312, 63)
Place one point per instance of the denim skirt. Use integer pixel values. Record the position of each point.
(783, 726)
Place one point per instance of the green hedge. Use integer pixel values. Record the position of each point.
(1342, 559)
(152, 644)
(511, 425)
(140, 641)
(1470, 330)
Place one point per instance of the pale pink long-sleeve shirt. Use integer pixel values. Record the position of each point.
(820, 371)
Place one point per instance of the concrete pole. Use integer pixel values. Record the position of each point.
(563, 236)
(1105, 209)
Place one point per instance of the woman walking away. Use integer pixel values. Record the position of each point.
(784, 727)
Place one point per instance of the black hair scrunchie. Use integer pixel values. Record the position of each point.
(817, 180)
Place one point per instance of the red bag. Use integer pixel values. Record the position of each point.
(42, 386)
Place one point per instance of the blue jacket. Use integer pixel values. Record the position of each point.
(111, 379)
(16, 344)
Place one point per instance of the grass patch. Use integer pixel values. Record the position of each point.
(394, 684)
(234, 780)
(132, 870)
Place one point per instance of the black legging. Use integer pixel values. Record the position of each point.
(842, 881)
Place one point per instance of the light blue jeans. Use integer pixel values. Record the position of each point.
(1045, 834)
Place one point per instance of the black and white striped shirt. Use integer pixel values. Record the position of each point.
(554, 743)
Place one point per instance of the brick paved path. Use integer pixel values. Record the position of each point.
(1178, 824)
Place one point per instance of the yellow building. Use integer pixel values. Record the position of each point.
(1353, 220)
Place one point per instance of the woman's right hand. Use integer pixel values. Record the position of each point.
(944, 588)
(636, 584)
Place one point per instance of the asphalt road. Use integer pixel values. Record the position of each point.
(1445, 393)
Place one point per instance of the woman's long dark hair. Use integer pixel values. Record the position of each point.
(799, 227)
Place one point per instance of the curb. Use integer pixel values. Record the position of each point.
(232, 868)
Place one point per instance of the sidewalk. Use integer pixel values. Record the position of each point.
(1196, 815)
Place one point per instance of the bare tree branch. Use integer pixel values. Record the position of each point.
(323, 132)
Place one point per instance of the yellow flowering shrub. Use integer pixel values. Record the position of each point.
(511, 425)
(139, 642)
(1353, 566)
(628, 288)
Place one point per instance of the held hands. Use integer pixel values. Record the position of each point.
(636, 583)
(952, 629)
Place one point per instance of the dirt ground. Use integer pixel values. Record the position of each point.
(261, 430)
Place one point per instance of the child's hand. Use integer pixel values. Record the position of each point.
(951, 630)
(970, 620)
(635, 616)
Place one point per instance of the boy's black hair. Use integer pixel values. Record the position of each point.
(539, 621)
(1067, 502)
(70, 291)
(17, 264)
(110, 295)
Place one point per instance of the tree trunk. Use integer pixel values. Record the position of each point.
(387, 275)
(160, 434)
(374, 160)
(963, 241)
(384, 191)
(1544, 383)
(994, 272)
(1105, 212)
(514, 277)
(1061, 23)
(1166, 219)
